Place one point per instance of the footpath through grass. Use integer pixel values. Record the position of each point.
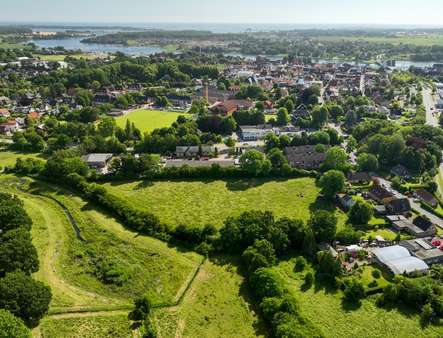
(148, 120)
(217, 305)
(212, 201)
(76, 270)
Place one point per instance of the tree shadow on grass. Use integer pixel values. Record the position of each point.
(349, 306)
(405, 310)
(324, 284)
(243, 184)
(144, 184)
(322, 203)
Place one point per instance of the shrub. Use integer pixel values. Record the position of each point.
(376, 274)
(308, 281)
(12, 327)
(142, 309)
(354, 290)
(107, 271)
(300, 263)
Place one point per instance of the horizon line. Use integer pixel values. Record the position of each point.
(127, 23)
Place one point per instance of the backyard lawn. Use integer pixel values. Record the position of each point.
(202, 202)
(148, 120)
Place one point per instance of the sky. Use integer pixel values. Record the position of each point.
(379, 12)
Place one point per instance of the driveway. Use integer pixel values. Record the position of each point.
(416, 206)
(435, 219)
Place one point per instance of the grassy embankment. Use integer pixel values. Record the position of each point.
(84, 307)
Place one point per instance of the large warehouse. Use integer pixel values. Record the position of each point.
(399, 260)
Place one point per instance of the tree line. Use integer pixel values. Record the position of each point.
(23, 300)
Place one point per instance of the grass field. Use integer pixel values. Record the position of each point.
(7, 45)
(67, 263)
(337, 320)
(86, 327)
(148, 120)
(8, 158)
(385, 233)
(413, 40)
(62, 57)
(214, 307)
(203, 202)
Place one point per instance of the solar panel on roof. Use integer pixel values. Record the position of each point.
(423, 244)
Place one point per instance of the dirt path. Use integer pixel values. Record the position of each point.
(56, 223)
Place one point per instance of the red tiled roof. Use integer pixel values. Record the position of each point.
(9, 123)
(34, 115)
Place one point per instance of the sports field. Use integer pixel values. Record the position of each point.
(148, 120)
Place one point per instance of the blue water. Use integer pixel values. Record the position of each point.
(76, 43)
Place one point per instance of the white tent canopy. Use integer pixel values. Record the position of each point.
(399, 260)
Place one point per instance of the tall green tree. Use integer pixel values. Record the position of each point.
(324, 225)
(332, 182)
(24, 297)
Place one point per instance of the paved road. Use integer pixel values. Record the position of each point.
(435, 219)
(416, 206)
(352, 155)
(429, 103)
(432, 120)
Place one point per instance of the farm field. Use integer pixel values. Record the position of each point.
(215, 306)
(336, 320)
(413, 40)
(203, 202)
(7, 45)
(148, 120)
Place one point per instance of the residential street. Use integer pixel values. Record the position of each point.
(435, 219)
(432, 120)
(416, 206)
(429, 103)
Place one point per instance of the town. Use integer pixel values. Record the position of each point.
(202, 193)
